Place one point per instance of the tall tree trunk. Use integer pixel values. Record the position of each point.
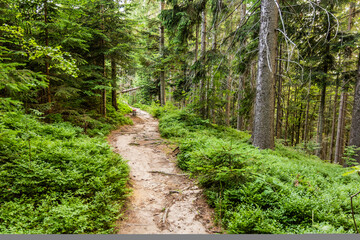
(263, 135)
(203, 52)
(103, 94)
(340, 128)
(114, 84)
(354, 138)
(239, 120)
(331, 157)
(196, 42)
(306, 126)
(161, 48)
(321, 120)
(287, 115)
(279, 94)
(47, 68)
(101, 62)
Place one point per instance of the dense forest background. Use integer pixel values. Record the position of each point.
(287, 72)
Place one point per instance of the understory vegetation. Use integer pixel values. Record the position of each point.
(56, 179)
(285, 190)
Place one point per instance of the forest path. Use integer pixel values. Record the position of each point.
(164, 199)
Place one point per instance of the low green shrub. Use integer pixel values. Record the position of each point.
(285, 190)
(56, 179)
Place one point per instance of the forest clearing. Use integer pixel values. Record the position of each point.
(244, 117)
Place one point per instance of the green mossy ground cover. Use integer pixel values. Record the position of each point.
(56, 179)
(253, 191)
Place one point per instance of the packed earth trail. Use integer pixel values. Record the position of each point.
(164, 199)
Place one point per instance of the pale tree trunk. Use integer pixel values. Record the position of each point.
(113, 84)
(161, 48)
(263, 135)
(354, 138)
(202, 55)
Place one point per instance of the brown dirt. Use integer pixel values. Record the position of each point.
(164, 199)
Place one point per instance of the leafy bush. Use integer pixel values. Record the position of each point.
(55, 179)
(281, 191)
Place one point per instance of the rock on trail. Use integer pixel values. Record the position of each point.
(164, 199)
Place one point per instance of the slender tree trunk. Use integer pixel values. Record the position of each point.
(114, 84)
(299, 125)
(239, 120)
(263, 135)
(287, 115)
(331, 157)
(196, 42)
(102, 64)
(321, 120)
(103, 95)
(307, 115)
(47, 68)
(228, 100)
(161, 48)
(279, 94)
(354, 138)
(293, 128)
(203, 52)
(340, 128)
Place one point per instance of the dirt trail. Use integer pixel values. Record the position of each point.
(164, 199)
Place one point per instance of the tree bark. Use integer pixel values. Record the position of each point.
(263, 135)
(307, 115)
(239, 120)
(202, 55)
(161, 48)
(114, 84)
(354, 138)
(340, 128)
(333, 125)
(287, 115)
(321, 120)
(279, 94)
(47, 68)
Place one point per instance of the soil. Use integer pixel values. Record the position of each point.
(164, 199)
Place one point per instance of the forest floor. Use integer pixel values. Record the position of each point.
(164, 199)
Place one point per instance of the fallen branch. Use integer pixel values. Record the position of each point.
(165, 173)
(173, 191)
(130, 89)
(165, 215)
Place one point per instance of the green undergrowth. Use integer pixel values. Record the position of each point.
(253, 191)
(92, 122)
(56, 179)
